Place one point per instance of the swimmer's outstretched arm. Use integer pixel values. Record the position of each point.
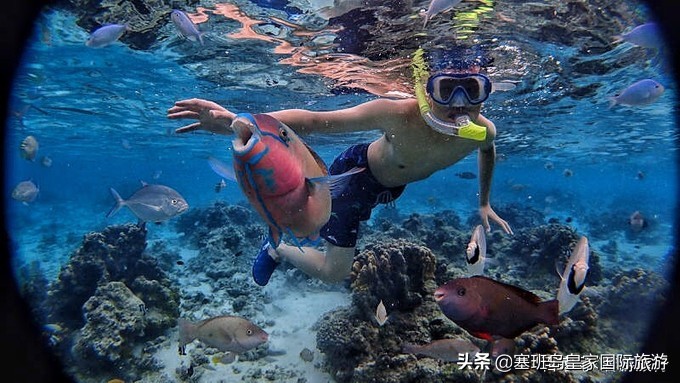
(377, 114)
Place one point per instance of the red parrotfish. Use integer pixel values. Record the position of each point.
(282, 177)
(490, 310)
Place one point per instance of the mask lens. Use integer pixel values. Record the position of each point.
(471, 86)
(442, 88)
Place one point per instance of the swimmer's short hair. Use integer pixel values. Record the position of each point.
(457, 58)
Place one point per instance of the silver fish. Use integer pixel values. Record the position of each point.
(226, 333)
(646, 35)
(106, 35)
(642, 92)
(154, 203)
(381, 313)
(448, 350)
(25, 192)
(46, 161)
(29, 148)
(476, 252)
(574, 276)
(437, 6)
(185, 26)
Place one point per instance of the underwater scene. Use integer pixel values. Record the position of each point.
(344, 191)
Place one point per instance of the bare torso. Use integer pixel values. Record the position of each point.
(411, 151)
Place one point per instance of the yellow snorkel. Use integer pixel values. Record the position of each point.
(462, 127)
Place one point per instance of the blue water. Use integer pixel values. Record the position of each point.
(100, 116)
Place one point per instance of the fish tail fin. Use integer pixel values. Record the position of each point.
(550, 312)
(612, 102)
(187, 331)
(222, 169)
(120, 202)
(557, 269)
(337, 182)
(275, 235)
(310, 240)
(410, 348)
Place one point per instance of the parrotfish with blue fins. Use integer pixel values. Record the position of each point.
(282, 177)
(573, 279)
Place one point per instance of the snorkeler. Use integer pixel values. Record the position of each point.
(420, 136)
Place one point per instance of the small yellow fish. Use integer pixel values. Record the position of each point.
(29, 148)
(226, 358)
(381, 313)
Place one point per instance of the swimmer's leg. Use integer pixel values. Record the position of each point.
(331, 266)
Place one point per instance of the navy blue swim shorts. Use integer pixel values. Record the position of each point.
(361, 194)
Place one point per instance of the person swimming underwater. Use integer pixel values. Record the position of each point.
(421, 136)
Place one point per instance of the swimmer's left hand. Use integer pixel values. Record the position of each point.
(487, 212)
(211, 116)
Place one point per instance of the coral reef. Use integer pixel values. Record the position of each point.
(626, 305)
(403, 274)
(114, 302)
(533, 254)
(109, 297)
(113, 316)
(221, 229)
(397, 272)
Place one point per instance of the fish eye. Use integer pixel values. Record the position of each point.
(174, 202)
(283, 134)
(249, 332)
(461, 291)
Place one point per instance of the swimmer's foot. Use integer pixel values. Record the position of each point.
(264, 265)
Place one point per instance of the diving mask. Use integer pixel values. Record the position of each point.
(461, 126)
(449, 88)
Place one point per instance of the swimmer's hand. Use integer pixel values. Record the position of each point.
(487, 212)
(211, 116)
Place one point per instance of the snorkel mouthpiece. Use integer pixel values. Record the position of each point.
(462, 126)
